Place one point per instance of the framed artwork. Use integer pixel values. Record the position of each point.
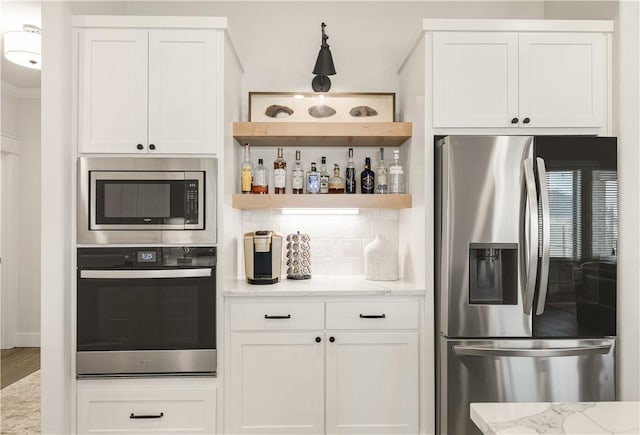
(321, 107)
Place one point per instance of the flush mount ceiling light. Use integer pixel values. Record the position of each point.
(324, 66)
(24, 47)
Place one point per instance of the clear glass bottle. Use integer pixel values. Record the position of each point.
(336, 183)
(381, 174)
(324, 176)
(313, 179)
(246, 171)
(260, 179)
(350, 174)
(280, 173)
(367, 177)
(396, 174)
(297, 176)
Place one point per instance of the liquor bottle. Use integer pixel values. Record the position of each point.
(336, 183)
(313, 180)
(246, 171)
(396, 174)
(350, 173)
(279, 174)
(324, 176)
(367, 177)
(260, 179)
(297, 176)
(381, 174)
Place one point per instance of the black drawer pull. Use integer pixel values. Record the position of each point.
(147, 415)
(373, 316)
(288, 316)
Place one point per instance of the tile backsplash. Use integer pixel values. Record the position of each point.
(337, 241)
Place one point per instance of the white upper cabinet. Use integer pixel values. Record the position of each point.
(519, 79)
(147, 91)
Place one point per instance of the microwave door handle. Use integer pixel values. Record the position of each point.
(530, 262)
(543, 281)
(145, 274)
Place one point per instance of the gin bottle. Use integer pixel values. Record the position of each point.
(279, 174)
(246, 170)
(367, 177)
(350, 174)
(324, 176)
(313, 179)
(297, 176)
(381, 174)
(396, 174)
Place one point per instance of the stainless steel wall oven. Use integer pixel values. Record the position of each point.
(146, 200)
(146, 310)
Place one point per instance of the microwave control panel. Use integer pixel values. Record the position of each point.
(191, 201)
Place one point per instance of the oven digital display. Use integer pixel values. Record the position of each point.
(146, 256)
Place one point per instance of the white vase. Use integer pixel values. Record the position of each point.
(381, 260)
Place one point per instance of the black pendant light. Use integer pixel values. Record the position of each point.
(324, 66)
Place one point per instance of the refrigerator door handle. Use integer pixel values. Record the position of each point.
(530, 263)
(599, 349)
(543, 281)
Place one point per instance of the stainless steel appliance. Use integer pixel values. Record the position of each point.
(526, 233)
(129, 200)
(263, 257)
(146, 310)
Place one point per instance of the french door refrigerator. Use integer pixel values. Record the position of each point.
(526, 233)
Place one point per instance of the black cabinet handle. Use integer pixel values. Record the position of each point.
(147, 415)
(373, 316)
(152, 146)
(318, 339)
(526, 121)
(514, 121)
(288, 316)
(140, 146)
(332, 339)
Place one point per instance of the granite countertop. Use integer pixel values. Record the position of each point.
(572, 418)
(323, 285)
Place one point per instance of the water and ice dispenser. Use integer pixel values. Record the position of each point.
(493, 273)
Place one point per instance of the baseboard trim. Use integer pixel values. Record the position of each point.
(28, 339)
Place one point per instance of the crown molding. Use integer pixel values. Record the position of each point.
(18, 92)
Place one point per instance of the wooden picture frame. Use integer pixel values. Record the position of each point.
(321, 107)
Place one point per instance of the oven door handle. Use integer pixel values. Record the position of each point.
(146, 274)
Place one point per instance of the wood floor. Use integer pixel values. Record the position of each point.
(17, 363)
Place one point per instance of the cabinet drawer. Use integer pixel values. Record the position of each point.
(372, 315)
(276, 316)
(172, 410)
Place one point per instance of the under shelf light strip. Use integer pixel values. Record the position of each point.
(320, 211)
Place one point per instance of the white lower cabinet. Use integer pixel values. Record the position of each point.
(285, 378)
(139, 406)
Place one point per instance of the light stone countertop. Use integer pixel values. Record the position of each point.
(323, 285)
(571, 418)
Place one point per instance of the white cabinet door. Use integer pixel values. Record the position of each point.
(372, 382)
(475, 79)
(276, 384)
(147, 410)
(562, 79)
(182, 94)
(112, 100)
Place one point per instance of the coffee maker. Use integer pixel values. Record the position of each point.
(262, 257)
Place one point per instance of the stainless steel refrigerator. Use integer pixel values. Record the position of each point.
(526, 233)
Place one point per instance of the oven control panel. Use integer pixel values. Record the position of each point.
(146, 257)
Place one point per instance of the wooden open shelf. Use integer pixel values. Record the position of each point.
(271, 201)
(354, 134)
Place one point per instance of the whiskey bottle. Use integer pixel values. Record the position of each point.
(297, 176)
(260, 179)
(313, 179)
(396, 174)
(246, 170)
(279, 173)
(381, 174)
(324, 176)
(367, 177)
(336, 183)
(350, 174)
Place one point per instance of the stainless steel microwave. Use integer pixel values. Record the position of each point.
(130, 200)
